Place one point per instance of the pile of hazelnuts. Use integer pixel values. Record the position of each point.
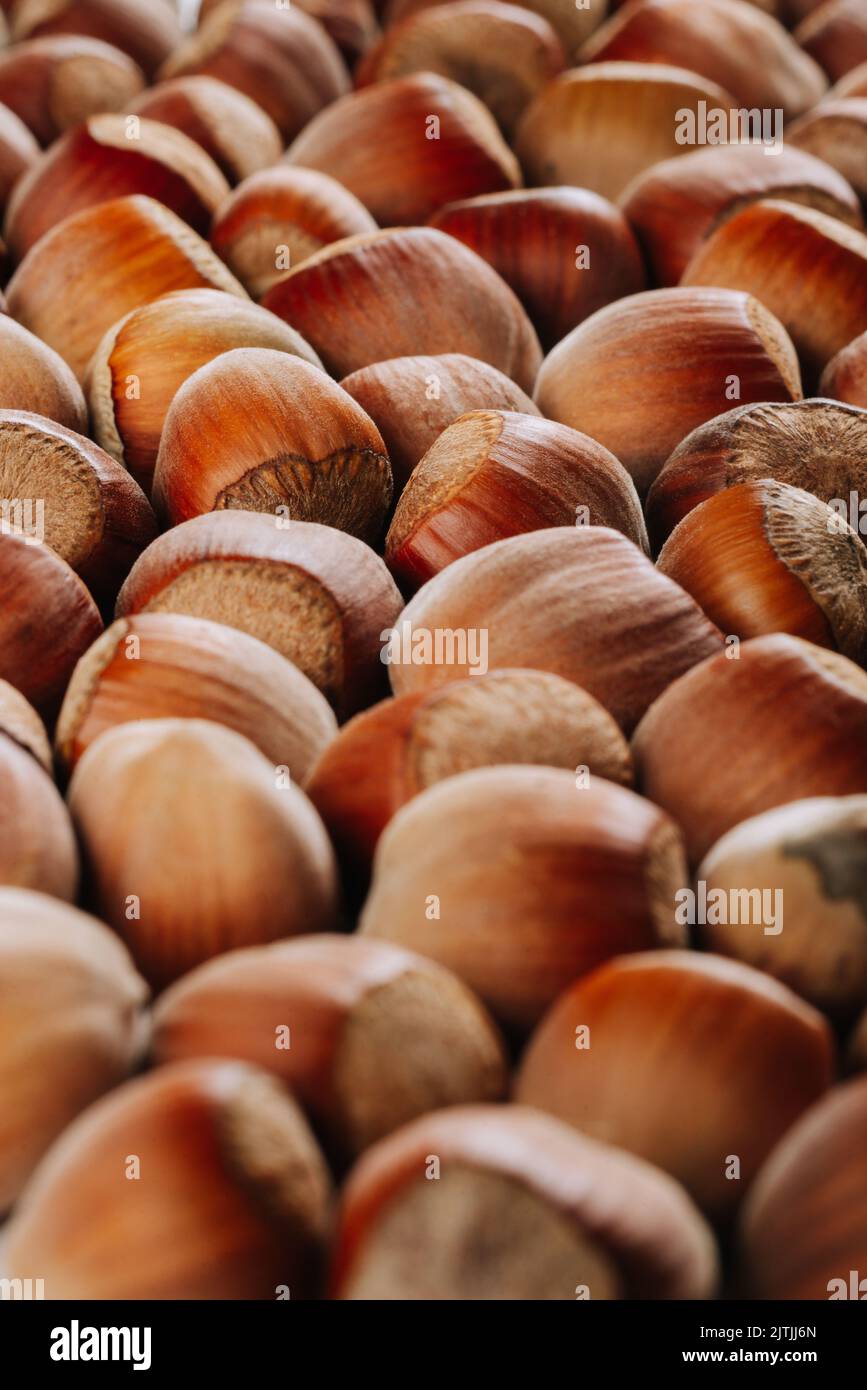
(433, 630)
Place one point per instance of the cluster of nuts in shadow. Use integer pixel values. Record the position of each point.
(433, 627)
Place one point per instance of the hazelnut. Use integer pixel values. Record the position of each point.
(70, 1020)
(570, 23)
(599, 126)
(56, 82)
(814, 280)
(404, 291)
(641, 373)
(352, 24)
(34, 377)
(279, 57)
(813, 856)
(388, 754)
(203, 812)
(496, 473)
(675, 205)
(18, 152)
(262, 431)
(746, 52)
(365, 1035)
(418, 142)
(581, 601)
(564, 251)
(744, 1056)
(146, 30)
(413, 399)
(134, 249)
(770, 721)
(37, 844)
(200, 1181)
(763, 557)
(845, 377)
(20, 722)
(47, 619)
(147, 356)
(817, 445)
(802, 1232)
(519, 880)
(108, 157)
(502, 53)
(279, 217)
(522, 1208)
(161, 665)
(230, 127)
(91, 512)
(835, 35)
(836, 131)
(318, 596)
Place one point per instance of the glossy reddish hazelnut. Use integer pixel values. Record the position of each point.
(835, 35)
(147, 30)
(58, 81)
(641, 373)
(230, 127)
(34, 377)
(845, 377)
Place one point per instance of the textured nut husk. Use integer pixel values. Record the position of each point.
(387, 755)
(263, 431)
(835, 35)
(413, 399)
(58, 81)
(494, 474)
(279, 217)
(20, 722)
(503, 53)
(676, 204)
(157, 347)
(763, 557)
(735, 45)
(743, 1057)
(773, 721)
(95, 516)
(230, 127)
(71, 1024)
(392, 164)
(166, 665)
(643, 372)
(564, 251)
(814, 280)
(524, 1208)
(804, 1223)
(18, 152)
(374, 1035)
(403, 291)
(281, 58)
(318, 596)
(147, 30)
(817, 445)
(106, 158)
(95, 266)
(34, 377)
(599, 126)
(836, 131)
(231, 1203)
(216, 852)
(568, 22)
(535, 879)
(814, 855)
(47, 620)
(37, 844)
(581, 601)
(845, 377)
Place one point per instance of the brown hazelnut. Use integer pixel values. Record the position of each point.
(496, 473)
(230, 127)
(200, 1181)
(770, 721)
(18, 152)
(743, 1057)
(845, 377)
(20, 722)
(162, 665)
(835, 35)
(520, 879)
(352, 24)
(34, 377)
(836, 131)
(418, 142)
(568, 21)
(147, 30)
(564, 251)
(641, 373)
(147, 356)
(318, 596)
(404, 291)
(262, 431)
(56, 82)
(37, 844)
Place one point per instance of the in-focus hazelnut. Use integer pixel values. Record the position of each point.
(147, 30)
(743, 1057)
(34, 377)
(230, 127)
(56, 82)
(845, 377)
